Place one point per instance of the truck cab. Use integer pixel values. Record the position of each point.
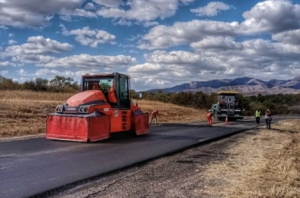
(229, 106)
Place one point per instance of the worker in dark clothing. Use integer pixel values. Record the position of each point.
(268, 118)
(154, 116)
(257, 116)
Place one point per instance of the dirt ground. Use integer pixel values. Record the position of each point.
(256, 163)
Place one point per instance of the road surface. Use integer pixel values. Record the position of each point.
(34, 166)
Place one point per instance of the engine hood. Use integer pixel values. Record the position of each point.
(86, 97)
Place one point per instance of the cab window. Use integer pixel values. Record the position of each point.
(124, 92)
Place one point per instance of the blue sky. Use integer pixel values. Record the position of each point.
(159, 43)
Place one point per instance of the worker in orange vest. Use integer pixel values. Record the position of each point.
(209, 118)
(154, 116)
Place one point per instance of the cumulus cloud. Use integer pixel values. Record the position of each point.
(272, 16)
(140, 10)
(89, 6)
(4, 64)
(291, 37)
(67, 14)
(88, 61)
(11, 42)
(85, 36)
(33, 58)
(52, 72)
(217, 43)
(109, 3)
(150, 23)
(211, 9)
(36, 50)
(20, 13)
(162, 36)
(163, 68)
(22, 72)
(38, 45)
(3, 73)
(215, 58)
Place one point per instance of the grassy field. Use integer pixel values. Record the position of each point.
(24, 112)
(263, 163)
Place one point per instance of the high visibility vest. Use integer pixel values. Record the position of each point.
(257, 114)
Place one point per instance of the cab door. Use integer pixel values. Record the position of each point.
(124, 92)
(122, 116)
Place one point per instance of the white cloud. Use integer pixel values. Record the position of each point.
(109, 3)
(291, 37)
(22, 72)
(52, 72)
(10, 35)
(3, 73)
(123, 22)
(36, 50)
(218, 58)
(88, 61)
(271, 16)
(3, 27)
(4, 64)
(31, 13)
(89, 6)
(89, 37)
(150, 23)
(162, 37)
(11, 42)
(217, 43)
(67, 14)
(33, 58)
(212, 9)
(38, 45)
(140, 10)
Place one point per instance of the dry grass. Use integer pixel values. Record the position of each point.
(24, 112)
(265, 164)
(30, 95)
(172, 113)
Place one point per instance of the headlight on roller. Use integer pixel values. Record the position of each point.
(84, 109)
(59, 109)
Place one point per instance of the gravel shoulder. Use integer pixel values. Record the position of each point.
(256, 163)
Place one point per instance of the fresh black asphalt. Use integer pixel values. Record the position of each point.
(33, 166)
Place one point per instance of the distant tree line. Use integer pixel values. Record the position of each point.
(58, 84)
(277, 103)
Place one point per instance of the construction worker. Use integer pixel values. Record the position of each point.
(268, 118)
(209, 118)
(154, 115)
(96, 86)
(257, 116)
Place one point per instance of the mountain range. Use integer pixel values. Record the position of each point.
(245, 85)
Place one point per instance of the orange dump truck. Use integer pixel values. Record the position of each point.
(102, 107)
